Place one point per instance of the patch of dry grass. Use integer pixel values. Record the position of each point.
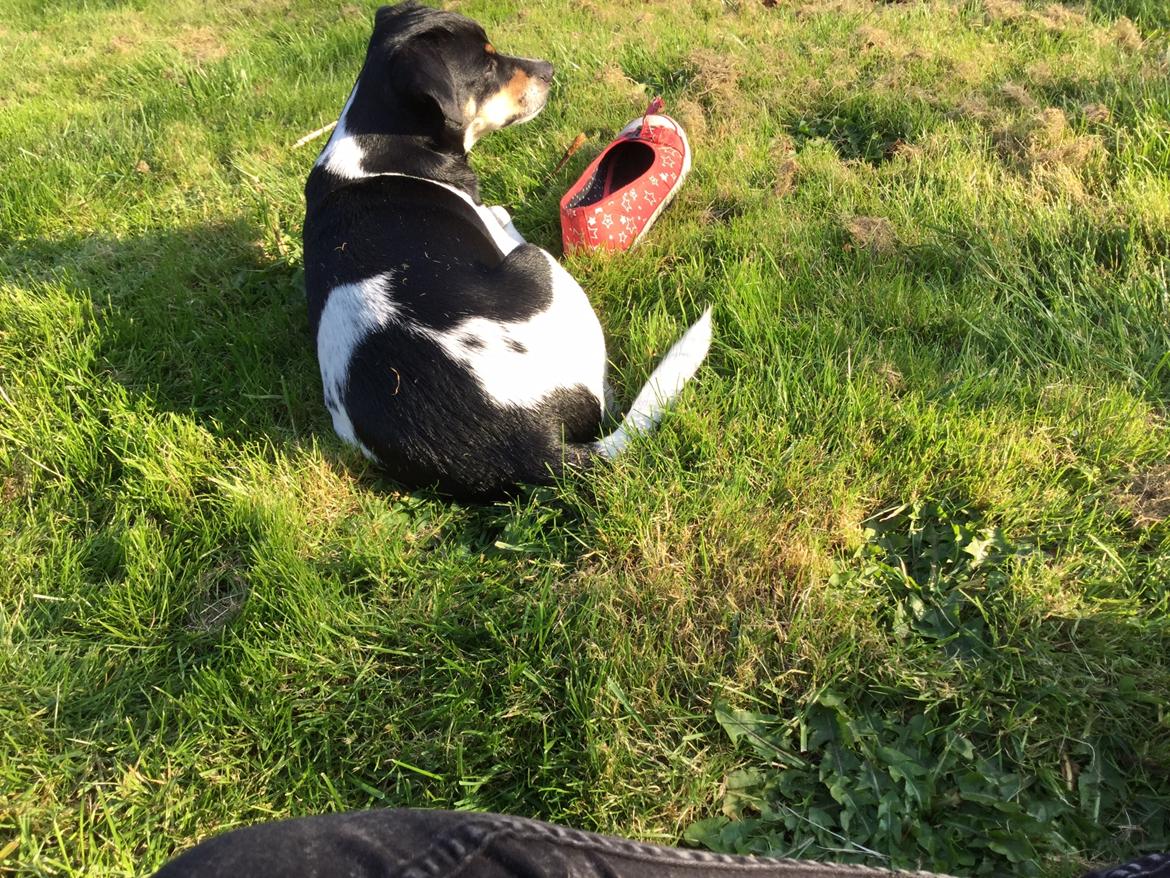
(1127, 35)
(716, 75)
(787, 174)
(872, 233)
(1146, 497)
(1096, 113)
(1044, 146)
(200, 44)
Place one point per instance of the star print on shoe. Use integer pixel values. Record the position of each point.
(632, 179)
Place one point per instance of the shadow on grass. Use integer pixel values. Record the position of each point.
(204, 323)
(180, 611)
(198, 319)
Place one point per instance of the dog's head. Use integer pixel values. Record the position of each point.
(444, 63)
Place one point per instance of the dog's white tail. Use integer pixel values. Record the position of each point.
(666, 382)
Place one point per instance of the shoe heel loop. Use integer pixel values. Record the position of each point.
(655, 106)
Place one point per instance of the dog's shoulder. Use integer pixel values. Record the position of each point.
(431, 237)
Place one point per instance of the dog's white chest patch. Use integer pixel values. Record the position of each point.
(342, 155)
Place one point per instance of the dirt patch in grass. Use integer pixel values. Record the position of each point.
(10, 489)
(716, 78)
(1017, 94)
(874, 38)
(785, 164)
(1096, 113)
(1045, 146)
(220, 596)
(1146, 497)
(1127, 35)
(907, 151)
(200, 44)
(1040, 73)
(787, 173)
(973, 107)
(891, 377)
(882, 42)
(727, 206)
(873, 233)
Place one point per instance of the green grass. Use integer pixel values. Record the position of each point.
(900, 556)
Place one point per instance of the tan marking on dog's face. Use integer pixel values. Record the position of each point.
(507, 103)
(510, 103)
(489, 48)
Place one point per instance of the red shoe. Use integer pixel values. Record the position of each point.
(623, 191)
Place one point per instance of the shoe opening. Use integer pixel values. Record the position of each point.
(622, 165)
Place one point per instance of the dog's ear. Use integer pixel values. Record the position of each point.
(418, 72)
(408, 36)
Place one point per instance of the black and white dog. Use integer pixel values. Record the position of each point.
(452, 352)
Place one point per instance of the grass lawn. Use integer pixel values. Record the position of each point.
(890, 584)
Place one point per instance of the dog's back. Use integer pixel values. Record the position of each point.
(406, 294)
